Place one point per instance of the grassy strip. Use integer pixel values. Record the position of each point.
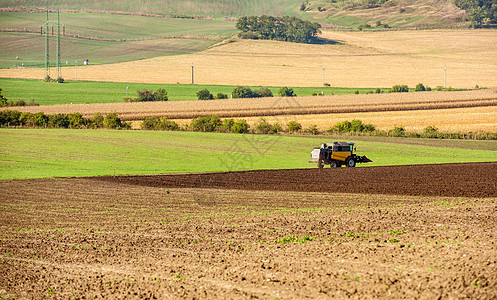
(37, 153)
(86, 92)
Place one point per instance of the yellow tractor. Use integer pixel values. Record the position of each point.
(337, 154)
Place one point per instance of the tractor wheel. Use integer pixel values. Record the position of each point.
(320, 164)
(350, 162)
(334, 164)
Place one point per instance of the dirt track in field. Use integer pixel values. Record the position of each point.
(450, 180)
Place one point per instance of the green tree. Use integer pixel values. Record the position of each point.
(264, 92)
(206, 124)
(221, 96)
(399, 89)
(161, 95)
(204, 95)
(243, 92)
(420, 88)
(286, 92)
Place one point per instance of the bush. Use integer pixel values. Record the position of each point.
(221, 96)
(243, 92)
(204, 95)
(112, 121)
(286, 92)
(9, 118)
(399, 89)
(378, 91)
(156, 123)
(206, 124)
(277, 127)
(420, 88)
(240, 126)
(294, 126)
(430, 131)
(313, 129)
(264, 92)
(146, 95)
(227, 124)
(76, 120)
(58, 121)
(397, 131)
(96, 121)
(263, 127)
(354, 126)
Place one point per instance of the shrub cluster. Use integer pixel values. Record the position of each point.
(205, 94)
(246, 92)
(214, 123)
(290, 29)
(264, 127)
(15, 118)
(399, 89)
(146, 95)
(159, 123)
(352, 126)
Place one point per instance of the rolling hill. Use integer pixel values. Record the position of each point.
(337, 13)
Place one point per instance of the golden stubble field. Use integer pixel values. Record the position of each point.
(361, 59)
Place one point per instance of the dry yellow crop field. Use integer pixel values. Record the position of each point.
(471, 119)
(474, 110)
(361, 59)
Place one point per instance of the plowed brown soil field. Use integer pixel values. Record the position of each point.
(382, 232)
(451, 180)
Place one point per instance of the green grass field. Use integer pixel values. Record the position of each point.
(37, 153)
(28, 49)
(217, 8)
(80, 92)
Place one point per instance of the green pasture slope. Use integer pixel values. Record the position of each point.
(118, 38)
(81, 92)
(40, 153)
(215, 8)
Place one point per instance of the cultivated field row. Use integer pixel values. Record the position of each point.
(283, 105)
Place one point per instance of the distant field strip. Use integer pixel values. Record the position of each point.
(360, 59)
(284, 105)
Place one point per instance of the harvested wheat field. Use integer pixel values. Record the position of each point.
(199, 236)
(359, 59)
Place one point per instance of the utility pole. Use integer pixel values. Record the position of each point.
(323, 75)
(445, 77)
(58, 45)
(47, 56)
(47, 44)
(192, 74)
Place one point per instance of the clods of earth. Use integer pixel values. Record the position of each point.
(392, 232)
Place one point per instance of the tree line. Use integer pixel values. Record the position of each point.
(481, 12)
(290, 29)
(14, 118)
